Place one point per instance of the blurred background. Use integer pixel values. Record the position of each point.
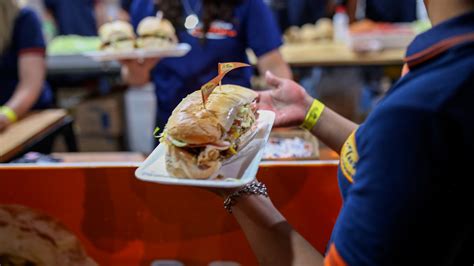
(346, 53)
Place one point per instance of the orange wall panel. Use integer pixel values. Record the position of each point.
(123, 221)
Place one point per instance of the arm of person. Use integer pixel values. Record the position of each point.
(32, 72)
(264, 38)
(138, 73)
(273, 62)
(134, 72)
(379, 216)
(31, 65)
(290, 102)
(271, 237)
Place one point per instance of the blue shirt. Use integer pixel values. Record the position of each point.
(174, 78)
(301, 12)
(406, 175)
(27, 39)
(391, 11)
(74, 16)
(125, 4)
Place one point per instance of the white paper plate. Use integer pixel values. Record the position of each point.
(179, 50)
(237, 171)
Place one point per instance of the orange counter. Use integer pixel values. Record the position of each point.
(123, 221)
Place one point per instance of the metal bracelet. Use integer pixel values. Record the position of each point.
(253, 188)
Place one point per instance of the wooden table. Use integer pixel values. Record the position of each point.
(333, 54)
(29, 130)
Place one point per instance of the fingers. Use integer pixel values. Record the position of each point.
(264, 101)
(273, 80)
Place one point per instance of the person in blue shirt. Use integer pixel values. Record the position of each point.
(73, 17)
(83, 17)
(404, 174)
(225, 31)
(22, 63)
(384, 10)
(301, 12)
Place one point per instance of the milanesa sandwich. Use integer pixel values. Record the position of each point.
(155, 32)
(117, 36)
(199, 139)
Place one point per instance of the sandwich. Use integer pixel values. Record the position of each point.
(155, 32)
(117, 36)
(28, 237)
(199, 139)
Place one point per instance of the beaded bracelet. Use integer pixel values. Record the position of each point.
(253, 188)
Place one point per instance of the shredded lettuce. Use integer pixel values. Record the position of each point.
(177, 143)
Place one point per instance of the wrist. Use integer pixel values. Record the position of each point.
(313, 114)
(252, 189)
(8, 113)
(308, 101)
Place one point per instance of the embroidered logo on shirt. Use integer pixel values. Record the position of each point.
(217, 31)
(349, 157)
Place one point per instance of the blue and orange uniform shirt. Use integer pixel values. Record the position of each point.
(406, 174)
(391, 11)
(27, 38)
(253, 27)
(75, 17)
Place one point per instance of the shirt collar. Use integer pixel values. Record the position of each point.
(440, 39)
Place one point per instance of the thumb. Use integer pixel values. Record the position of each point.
(273, 80)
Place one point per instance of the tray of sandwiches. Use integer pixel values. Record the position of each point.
(156, 39)
(217, 145)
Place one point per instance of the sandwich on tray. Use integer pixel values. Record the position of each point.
(206, 129)
(156, 32)
(117, 36)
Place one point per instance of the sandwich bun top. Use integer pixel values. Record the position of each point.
(116, 30)
(193, 124)
(155, 26)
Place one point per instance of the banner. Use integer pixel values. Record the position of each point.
(225, 68)
(209, 87)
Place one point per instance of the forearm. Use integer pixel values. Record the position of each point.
(333, 129)
(24, 98)
(273, 62)
(32, 72)
(272, 239)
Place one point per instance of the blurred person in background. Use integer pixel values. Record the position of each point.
(22, 63)
(404, 174)
(280, 12)
(73, 17)
(301, 12)
(224, 32)
(83, 17)
(383, 10)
